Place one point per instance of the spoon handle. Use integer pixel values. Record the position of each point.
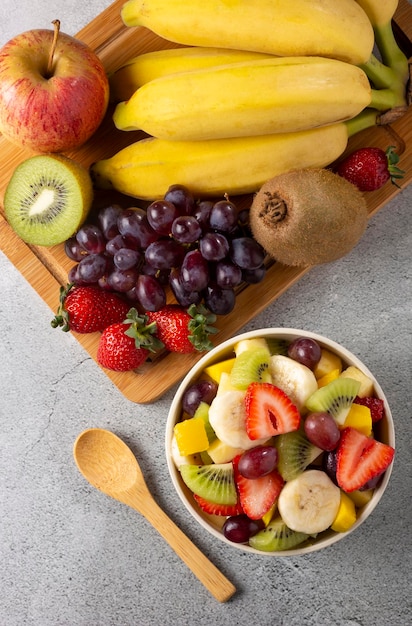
(208, 574)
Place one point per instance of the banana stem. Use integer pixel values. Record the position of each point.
(366, 119)
(380, 75)
(392, 55)
(386, 99)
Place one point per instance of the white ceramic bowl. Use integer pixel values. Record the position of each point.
(225, 350)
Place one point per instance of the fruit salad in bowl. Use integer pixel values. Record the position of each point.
(280, 442)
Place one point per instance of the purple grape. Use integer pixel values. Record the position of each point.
(165, 254)
(322, 430)
(123, 280)
(372, 483)
(150, 293)
(306, 351)
(181, 197)
(135, 228)
(219, 301)
(329, 464)
(240, 528)
(227, 274)
(161, 215)
(107, 220)
(202, 213)
(74, 250)
(201, 391)
(258, 461)
(184, 298)
(252, 277)
(223, 216)
(91, 268)
(115, 244)
(246, 253)
(186, 229)
(91, 238)
(213, 246)
(194, 271)
(125, 258)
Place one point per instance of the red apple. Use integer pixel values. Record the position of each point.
(54, 91)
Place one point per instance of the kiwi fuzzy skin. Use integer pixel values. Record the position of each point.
(308, 217)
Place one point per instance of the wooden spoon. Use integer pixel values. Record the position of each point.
(110, 466)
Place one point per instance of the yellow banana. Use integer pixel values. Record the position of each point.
(380, 12)
(145, 169)
(146, 67)
(331, 28)
(272, 95)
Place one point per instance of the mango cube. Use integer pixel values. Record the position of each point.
(327, 378)
(366, 388)
(359, 417)
(360, 498)
(328, 362)
(191, 436)
(215, 371)
(346, 515)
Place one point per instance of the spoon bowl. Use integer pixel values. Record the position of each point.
(110, 466)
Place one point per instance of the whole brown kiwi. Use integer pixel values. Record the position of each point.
(308, 217)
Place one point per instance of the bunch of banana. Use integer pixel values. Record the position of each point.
(225, 120)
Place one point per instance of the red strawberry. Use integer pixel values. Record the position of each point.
(182, 330)
(370, 168)
(257, 495)
(269, 411)
(126, 345)
(359, 459)
(218, 509)
(88, 309)
(375, 405)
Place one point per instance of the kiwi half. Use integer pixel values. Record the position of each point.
(335, 398)
(295, 453)
(277, 536)
(214, 482)
(308, 216)
(47, 198)
(250, 366)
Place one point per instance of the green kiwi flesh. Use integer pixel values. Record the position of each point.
(215, 482)
(203, 412)
(295, 453)
(308, 216)
(250, 366)
(276, 537)
(335, 398)
(47, 199)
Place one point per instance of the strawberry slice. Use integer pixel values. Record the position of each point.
(257, 495)
(269, 411)
(218, 509)
(375, 406)
(359, 459)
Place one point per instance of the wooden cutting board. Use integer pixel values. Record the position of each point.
(46, 268)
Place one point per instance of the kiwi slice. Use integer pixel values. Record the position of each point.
(214, 482)
(335, 398)
(295, 453)
(276, 537)
(203, 412)
(250, 366)
(47, 198)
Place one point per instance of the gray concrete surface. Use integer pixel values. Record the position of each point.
(70, 556)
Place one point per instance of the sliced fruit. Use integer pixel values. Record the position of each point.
(179, 459)
(215, 371)
(359, 459)
(191, 436)
(327, 378)
(359, 417)
(276, 537)
(366, 383)
(220, 452)
(296, 453)
(268, 517)
(310, 502)
(212, 508)
(202, 411)
(227, 416)
(346, 515)
(335, 398)
(250, 344)
(375, 405)
(360, 497)
(225, 384)
(257, 495)
(215, 482)
(295, 379)
(269, 411)
(47, 199)
(328, 362)
(250, 365)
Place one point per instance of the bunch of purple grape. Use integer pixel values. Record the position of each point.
(202, 249)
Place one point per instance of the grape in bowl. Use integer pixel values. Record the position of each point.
(275, 417)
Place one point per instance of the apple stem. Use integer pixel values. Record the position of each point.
(56, 24)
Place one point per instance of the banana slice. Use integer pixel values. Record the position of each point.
(309, 503)
(295, 379)
(227, 416)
